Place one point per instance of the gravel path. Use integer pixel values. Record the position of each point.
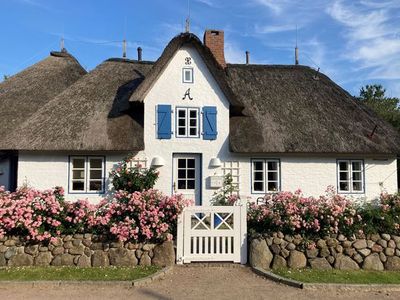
(191, 283)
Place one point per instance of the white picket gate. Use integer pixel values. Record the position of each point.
(212, 233)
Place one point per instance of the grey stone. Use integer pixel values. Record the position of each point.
(393, 263)
(145, 260)
(148, 247)
(151, 253)
(32, 250)
(377, 248)
(285, 253)
(385, 236)
(260, 255)
(291, 246)
(76, 243)
(297, 260)
(350, 251)
(87, 243)
(20, 260)
(330, 259)
(87, 252)
(58, 251)
(360, 244)
(164, 254)
(284, 244)
(139, 253)
(100, 259)
(398, 245)
(63, 260)
(3, 248)
(397, 252)
(375, 237)
(339, 249)
(347, 244)
(324, 252)
(132, 246)
(83, 261)
(77, 250)
(364, 252)
(382, 242)
(312, 253)
(43, 259)
(10, 252)
(332, 250)
(122, 257)
(269, 241)
(358, 258)
(370, 244)
(118, 244)
(96, 246)
(67, 238)
(332, 242)
(280, 235)
(68, 245)
(3, 261)
(341, 238)
(396, 238)
(275, 248)
(278, 262)
(373, 262)
(320, 263)
(288, 238)
(343, 262)
(87, 236)
(57, 242)
(106, 246)
(78, 236)
(392, 244)
(389, 252)
(43, 249)
(297, 241)
(10, 243)
(277, 241)
(383, 257)
(321, 244)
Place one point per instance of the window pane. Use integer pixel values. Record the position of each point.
(343, 166)
(78, 186)
(78, 163)
(357, 186)
(356, 165)
(357, 176)
(96, 174)
(77, 174)
(272, 165)
(343, 175)
(193, 114)
(190, 184)
(96, 163)
(193, 122)
(272, 186)
(181, 122)
(181, 113)
(273, 176)
(182, 131)
(258, 186)
(188, 75)
(181, 174)
(344, 186)
(258, 165)
(193, 131)
(258, 176)
(95, 185)
(181, 163)
(182, 184)
(190, 174)
(191, 163)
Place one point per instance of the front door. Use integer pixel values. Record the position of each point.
(187, 179)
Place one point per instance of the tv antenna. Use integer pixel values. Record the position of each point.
(187, 22)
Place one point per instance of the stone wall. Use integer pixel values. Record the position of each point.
(84, 250)
(376, 252)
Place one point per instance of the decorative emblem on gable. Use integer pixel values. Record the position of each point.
(188, 61)
(187, 94)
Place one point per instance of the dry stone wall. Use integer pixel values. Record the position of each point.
(84, 250)
(376, 252)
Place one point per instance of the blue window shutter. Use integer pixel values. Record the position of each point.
(210, 123)
(164, 121)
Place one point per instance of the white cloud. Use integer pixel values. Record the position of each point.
(274, 28)
(233, 54)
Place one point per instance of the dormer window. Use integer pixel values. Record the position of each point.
(187, 75)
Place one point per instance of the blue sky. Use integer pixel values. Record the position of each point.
(353, 42)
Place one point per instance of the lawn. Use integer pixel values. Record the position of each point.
(337, 276)
(74, 273)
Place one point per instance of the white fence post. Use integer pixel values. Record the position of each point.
(179, 239)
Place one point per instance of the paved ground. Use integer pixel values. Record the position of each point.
(192, 283)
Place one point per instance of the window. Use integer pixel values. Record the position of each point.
(265, 175)
(187, 75)
(350, 176)
(187, 122)
(86, 174)
(232, 167)
(186, 173)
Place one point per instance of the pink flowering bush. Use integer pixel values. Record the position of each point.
(40, 216)
(292, 213)
(144, 216)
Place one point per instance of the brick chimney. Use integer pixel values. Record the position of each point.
(214, 40)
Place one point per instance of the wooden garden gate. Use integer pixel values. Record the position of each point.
(212, 233)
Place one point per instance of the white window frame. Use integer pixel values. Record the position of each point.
(87, 179)
(187, 119)
(184, 70)
(265, 172)
(350, 179)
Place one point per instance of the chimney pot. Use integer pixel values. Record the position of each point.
(214, 40)
(139, 54)
(247, 57)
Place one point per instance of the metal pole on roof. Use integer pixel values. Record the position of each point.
(124, 48)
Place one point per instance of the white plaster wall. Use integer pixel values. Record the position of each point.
(47, 170)
(5, 173)
(169, 89)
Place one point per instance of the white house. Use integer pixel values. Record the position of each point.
(194, 117)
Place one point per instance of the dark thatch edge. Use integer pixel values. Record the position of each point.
(174, 45)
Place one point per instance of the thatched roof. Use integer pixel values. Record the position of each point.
(296, 109)
(24, 93)
(169, 51)
(92, 114)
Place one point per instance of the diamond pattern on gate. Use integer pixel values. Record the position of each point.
(201, 221)
(223, 221)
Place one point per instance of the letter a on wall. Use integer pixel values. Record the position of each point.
(164, 121)
(209, 123)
